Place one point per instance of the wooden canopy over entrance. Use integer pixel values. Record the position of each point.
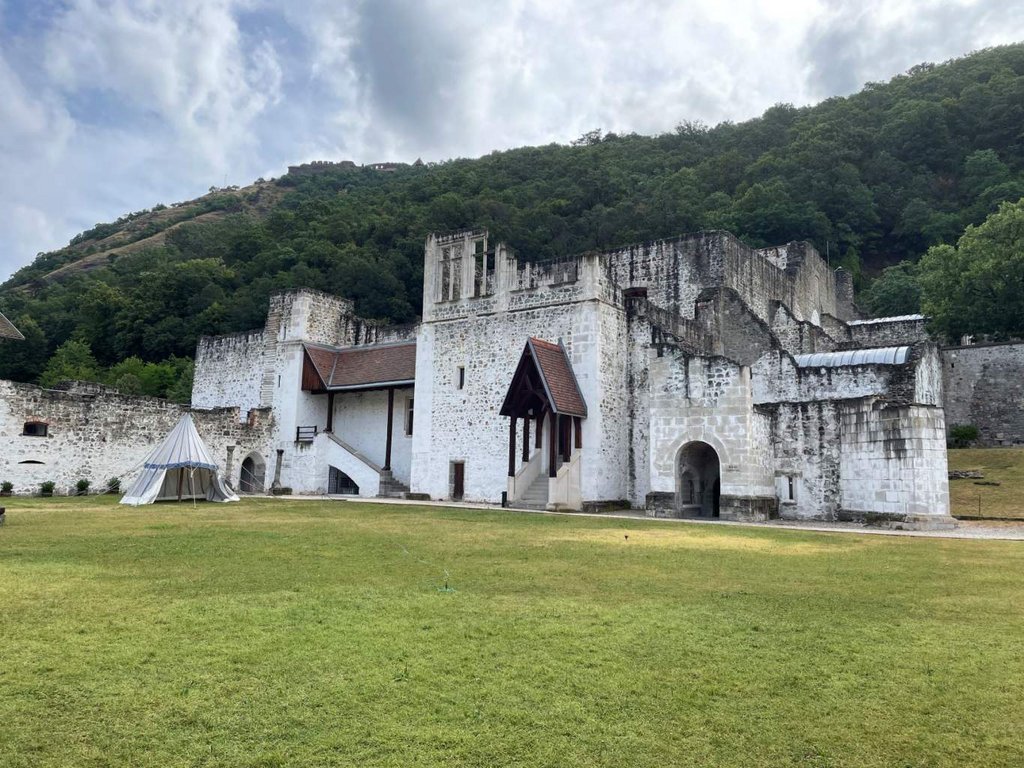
(544, 385)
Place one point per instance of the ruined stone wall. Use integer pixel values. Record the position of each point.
(807, 285)
(708, 400)
(799, 337)
(893, 462)
(806, 449)
(983, 385)
(886, 332)
(107, 434)
(228, 371)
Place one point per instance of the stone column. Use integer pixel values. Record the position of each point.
(277, 471)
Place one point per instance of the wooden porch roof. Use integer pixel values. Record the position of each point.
(544, 377)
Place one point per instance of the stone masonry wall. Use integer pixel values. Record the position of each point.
(228, 371)
(893, 462)
(107, 434)
(983, 385)
(708, 400)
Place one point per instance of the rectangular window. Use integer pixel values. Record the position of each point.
(460, 377)
(34, 429)
(791, 489)
(408, 417)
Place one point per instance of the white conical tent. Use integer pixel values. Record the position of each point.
(181, 467)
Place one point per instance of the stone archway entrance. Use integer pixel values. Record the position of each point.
(698, 480)
(253, 474)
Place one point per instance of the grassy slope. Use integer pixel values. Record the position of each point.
(1002, 465)
(291, 633)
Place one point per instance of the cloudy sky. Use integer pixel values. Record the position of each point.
(109, 106)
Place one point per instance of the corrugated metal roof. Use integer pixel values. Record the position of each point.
(880, 356)
(896, 319)
(7, 329)
(363, 367)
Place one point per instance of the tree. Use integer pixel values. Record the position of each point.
(897, 291)
(978, 286)
(24, 360)
(73, 361)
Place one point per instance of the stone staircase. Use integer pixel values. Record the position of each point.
(390, 488)
(536, 496)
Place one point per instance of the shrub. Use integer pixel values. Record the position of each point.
(46, 488)
(962, 435)
(82, 487)
(6, 486)
(114, 485)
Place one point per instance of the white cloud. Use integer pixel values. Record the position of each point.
(114, 105)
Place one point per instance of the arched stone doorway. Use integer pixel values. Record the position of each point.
(698, 480)
(253, 474)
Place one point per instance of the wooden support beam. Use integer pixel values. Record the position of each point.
(391, 422)
(330, 412)
(577, 423)
(553, 445)
(512, 446)
(526, 438)
(566, 442)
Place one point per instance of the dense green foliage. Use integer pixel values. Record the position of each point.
(290, 633)
(872, 179)
(977, 287)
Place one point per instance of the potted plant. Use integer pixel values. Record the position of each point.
(6, 487)
(46, 488)
(82, 488)
(114, 485)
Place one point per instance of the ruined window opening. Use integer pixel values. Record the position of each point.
(35, 429)
(790, 489)
(408, 417)
(460, 377)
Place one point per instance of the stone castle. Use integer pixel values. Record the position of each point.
(687, 377)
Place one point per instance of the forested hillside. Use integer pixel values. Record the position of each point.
(872, 180)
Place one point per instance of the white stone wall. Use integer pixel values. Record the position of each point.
(708, 400)
(107, 434)
(228, 371)
(806, 447)
(893, 461)
(464, 425)
(361, 420)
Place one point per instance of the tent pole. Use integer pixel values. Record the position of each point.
(180, 478)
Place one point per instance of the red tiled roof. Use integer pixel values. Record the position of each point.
(558, 376)
(354, 367)
(547, 366)
(7, 329)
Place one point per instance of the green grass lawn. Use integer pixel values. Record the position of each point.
(272, 633)
(1004, 466)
